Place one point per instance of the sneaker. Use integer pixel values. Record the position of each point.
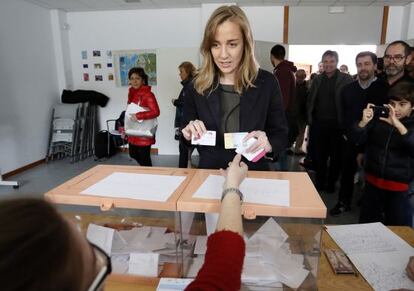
(339, 209)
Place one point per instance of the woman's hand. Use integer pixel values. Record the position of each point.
(194, 128)
(367, 115)
(235, 173)
(261, 143)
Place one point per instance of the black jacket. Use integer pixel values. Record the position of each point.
(355, 100)
(388, 154)
(341, 80)
(179, 103)
(260, 109)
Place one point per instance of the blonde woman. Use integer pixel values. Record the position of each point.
(230, 93)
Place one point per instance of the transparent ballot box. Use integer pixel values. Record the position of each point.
(282, 220)
(130, 212)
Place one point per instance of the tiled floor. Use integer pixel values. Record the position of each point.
(36, 181)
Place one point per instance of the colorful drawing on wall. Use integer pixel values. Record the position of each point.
(125, 60)
(96, 53)
(84, 55)
(85, 66)
(98, 78)
(109, 65)
(110, 77)
(109, 54)
(97, 66)
(85, 77)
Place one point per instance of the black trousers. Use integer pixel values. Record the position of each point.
(349, 168)
(389, 207)
(325, 141)
(142, 154)
(185, 153)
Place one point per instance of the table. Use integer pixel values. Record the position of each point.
(327, 280)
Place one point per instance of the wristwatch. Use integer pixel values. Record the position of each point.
(234, 190)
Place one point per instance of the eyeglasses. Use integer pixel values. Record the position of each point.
(396, 58)
(103, 262)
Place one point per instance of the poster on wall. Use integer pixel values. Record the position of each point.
(127, 59)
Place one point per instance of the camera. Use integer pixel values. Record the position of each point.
(380, 111)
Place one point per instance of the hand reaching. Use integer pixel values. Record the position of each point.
(235, 173)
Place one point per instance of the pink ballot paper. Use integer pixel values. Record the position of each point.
(254, 156)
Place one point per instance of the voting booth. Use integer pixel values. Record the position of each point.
(283, 215)
(134, 219)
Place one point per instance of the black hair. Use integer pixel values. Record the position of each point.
(407, 49)
(373, 56)
(402, 91)
(140, 72)
(330, 54)
(278, 51)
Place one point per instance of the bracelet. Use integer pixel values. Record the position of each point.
(234, 190)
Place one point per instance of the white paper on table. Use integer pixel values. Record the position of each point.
(255, 190)
(143, 264)
(136, 186)
(173, 284)
(201, 245)
(100, 236)
(384, 271)
(366, 238)
(211, 222)
(195, 266)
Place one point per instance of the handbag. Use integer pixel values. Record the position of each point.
(140, 128)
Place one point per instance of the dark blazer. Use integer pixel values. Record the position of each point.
(260, 109)
(341, 80)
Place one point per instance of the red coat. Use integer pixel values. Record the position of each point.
(223, 263)
(144, 98)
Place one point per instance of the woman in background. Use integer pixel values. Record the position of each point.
(187, 73)
(140, 94)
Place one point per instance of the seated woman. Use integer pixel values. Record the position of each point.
(41, 250)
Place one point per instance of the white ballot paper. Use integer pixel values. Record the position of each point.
(379, 254)
(211, 222)
(136, 186)
(255, 190)
(100, 236)
(144, 264)
(201, 245)
(173, 284)
(207, 139)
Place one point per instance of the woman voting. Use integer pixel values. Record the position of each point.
(233, 105)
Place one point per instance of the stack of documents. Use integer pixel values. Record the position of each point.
(268, 261)
(141, 251)
(379, 254)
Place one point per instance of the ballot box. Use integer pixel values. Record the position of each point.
(130, 212)
(282, 219)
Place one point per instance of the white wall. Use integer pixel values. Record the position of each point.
(314, 25)
(176, 36)
(28, 83)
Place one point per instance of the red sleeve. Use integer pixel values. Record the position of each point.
(223, 263)
(286, 81)
(151, 103)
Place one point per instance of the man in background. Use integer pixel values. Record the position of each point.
(355, 98)
(324, 118)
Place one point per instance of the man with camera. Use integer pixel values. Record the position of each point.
(388, 135)
(355, 97)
